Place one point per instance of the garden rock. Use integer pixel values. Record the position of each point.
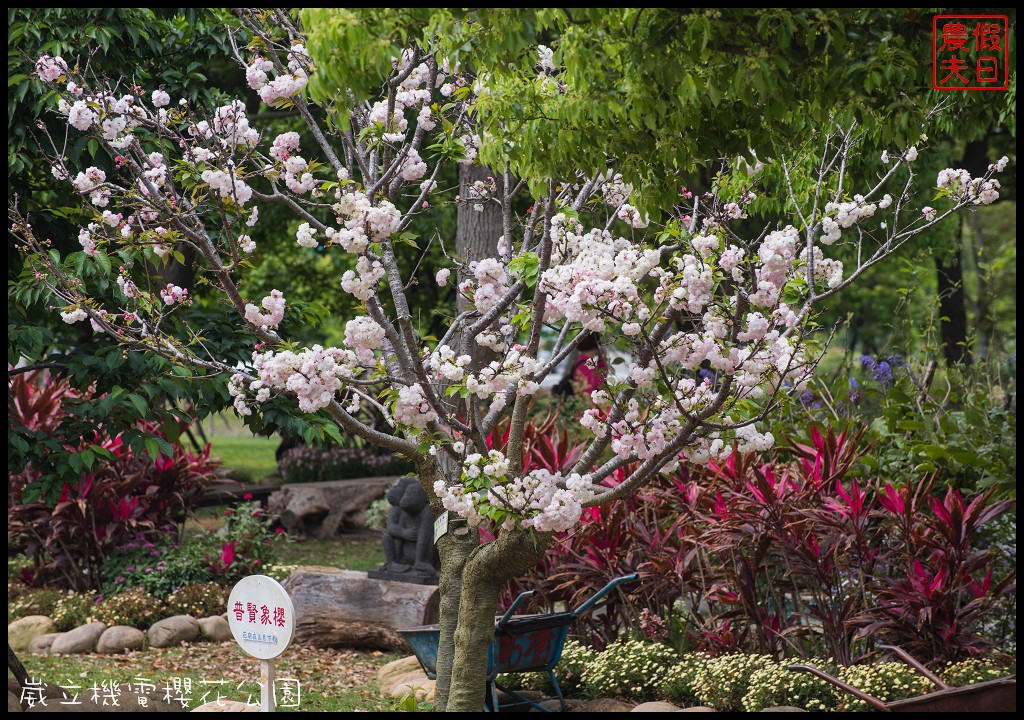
(226, 706)
(215, 629)
(13, 703)
(699, 708)
(783, 708)
(600, 705)
(417, 686)
(388, 674)
(22, 631)
(40, 645)
(119, 639)
(321, 510)
(658, 706)
(344, 608)
(173, 631)
(80, 640)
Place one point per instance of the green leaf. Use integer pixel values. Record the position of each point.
(152, 448)
(138, 402)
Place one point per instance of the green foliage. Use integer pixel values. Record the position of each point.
(629, 667)
(962, 426)
(885, 681)
(726, 680)
(669, 79)
(135, 608)
(159, 567)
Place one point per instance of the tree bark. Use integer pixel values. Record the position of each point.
(489, 567)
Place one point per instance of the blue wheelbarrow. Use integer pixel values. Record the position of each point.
(522, 644)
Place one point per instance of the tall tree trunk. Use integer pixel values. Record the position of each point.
(477, 231)
(952, 307)
(984, 322)
(476, 238)
(950, 276)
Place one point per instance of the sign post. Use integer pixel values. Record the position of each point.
(262, 621)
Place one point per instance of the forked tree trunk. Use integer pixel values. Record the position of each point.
(488, 568)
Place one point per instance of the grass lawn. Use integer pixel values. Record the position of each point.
(250, 459)
(355, 552)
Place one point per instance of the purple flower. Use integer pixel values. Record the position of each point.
(130, 568)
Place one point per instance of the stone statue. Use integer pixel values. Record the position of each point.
(409, 551)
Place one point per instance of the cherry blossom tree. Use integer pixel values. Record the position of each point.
(692, 287)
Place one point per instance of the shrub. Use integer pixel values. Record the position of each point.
(72, 610)
(198, 600)
(118, 494)
(631, 668)
(245, 544)
(155, 562)
(575, 660)
(279, 572)
(755, 551)
(973, 670)
(885, 681)
(134, 607)
(777, 685)
(307, 464)
(726, 679)
(679, 685)
(33, 601)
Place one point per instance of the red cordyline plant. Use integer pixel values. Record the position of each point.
(113, 501)
(789, 556)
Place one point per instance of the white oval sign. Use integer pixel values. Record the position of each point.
(261, 616)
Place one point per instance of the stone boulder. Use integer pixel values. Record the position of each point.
(80, 640)
(13, 702)
(215, 629)
(321, 510)
(23, 630)
(119, 639)
(388, 674)
(40, 645)
(600, 705)
(173, 631)
(658, 706)
(783, 708)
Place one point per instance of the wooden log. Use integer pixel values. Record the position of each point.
(322, 510)
(344, 608)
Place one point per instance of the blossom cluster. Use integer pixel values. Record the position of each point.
(540, 499)
(285, 84)
(274, 305)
